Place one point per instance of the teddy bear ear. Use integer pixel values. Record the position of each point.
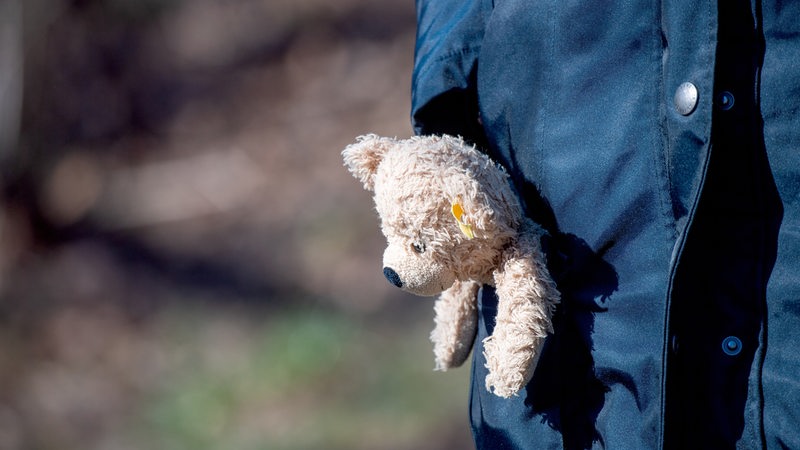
(364, 156)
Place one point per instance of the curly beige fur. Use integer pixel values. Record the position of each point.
(416, 182)
(523, 317)
(456, 324)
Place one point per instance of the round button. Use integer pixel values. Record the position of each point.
(732, 345)
(686, 98)
(725, 100)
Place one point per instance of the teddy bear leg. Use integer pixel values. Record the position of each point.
(527, 297)
(456, 324)
(510, 366)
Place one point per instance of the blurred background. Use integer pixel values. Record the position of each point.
(184, 262)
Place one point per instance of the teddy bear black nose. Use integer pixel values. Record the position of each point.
(392, 276)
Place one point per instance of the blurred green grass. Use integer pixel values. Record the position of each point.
(303, 380)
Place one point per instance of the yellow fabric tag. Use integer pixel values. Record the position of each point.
(458, 213)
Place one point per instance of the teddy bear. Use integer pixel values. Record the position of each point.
(453, 223)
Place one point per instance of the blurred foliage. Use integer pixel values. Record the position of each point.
(310, 381)
(184, 262)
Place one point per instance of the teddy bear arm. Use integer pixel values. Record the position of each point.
(456, 322)
(527, 297)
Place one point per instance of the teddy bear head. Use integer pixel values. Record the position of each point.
(446, 210)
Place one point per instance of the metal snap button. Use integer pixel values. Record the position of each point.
(732, 345)
(725, 100)
(686, 98)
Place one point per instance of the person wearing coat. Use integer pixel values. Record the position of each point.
(659, 144)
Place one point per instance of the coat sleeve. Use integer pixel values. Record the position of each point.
(448, 40)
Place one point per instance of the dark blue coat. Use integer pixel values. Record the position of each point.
(674, 219)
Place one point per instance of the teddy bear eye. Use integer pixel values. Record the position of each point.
(418, 247)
